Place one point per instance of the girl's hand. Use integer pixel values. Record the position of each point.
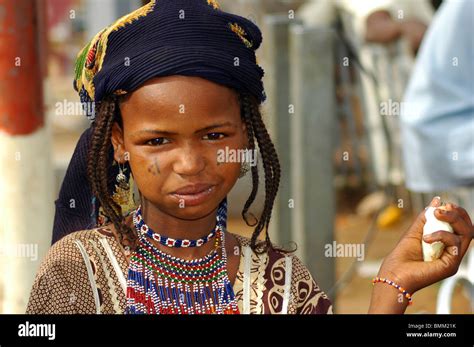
(405, 265)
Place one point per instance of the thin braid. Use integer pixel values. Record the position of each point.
(271, 165)
(246, 115)
(98, 164)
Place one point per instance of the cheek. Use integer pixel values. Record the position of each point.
(229, 168)
(148, 171)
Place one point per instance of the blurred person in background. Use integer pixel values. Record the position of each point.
(437, 119)
(375, 21)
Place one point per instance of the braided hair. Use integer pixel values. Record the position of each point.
(99, 160)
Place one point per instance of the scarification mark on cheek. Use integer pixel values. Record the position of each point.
(154, 168)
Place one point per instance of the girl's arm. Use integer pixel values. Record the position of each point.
(405, 265)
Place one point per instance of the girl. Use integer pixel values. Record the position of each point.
(174, 83)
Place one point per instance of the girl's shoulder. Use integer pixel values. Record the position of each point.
(76, 251)
(73, 265)
(72, 247)
(66, 251)
(281, 282)
(272, 256)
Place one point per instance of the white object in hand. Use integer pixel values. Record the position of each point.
(432, 251)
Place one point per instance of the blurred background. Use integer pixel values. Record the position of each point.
(347, 95)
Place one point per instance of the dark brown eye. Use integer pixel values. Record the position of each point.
(214, 136)
(157, 142)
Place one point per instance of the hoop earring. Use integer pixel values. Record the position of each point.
(244, 168)
(123, 194)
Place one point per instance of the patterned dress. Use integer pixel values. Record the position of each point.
(85, 273)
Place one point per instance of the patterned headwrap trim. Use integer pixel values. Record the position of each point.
(241, 33)
(214, 4)
(91, 58)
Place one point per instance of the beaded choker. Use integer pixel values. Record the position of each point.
(141, 226)
(159, 283)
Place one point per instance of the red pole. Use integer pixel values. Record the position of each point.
(26, 175)
(21, 66)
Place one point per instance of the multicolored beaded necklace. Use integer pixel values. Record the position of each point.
(159, 283)
(168, 241)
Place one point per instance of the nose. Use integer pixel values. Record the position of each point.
(190, 161)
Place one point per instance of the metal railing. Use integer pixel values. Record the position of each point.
(301, 108)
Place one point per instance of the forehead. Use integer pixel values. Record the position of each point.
(182, 96)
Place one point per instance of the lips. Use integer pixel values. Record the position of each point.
(193, 189)
(193, 195)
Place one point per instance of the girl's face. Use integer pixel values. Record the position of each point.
(172, 130)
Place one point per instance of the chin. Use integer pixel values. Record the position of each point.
(194, 212)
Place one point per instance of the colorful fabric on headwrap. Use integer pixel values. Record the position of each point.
(170, 37)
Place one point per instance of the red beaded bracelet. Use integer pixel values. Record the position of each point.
(402, 290)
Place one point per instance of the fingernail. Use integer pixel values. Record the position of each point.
(442, 211)
(427, 237)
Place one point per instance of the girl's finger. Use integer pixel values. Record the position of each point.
(450, 240)
(462, 212)
(457, 222)
(416, 230)
(435, 202)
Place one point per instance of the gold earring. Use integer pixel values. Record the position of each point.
(124, 191)
(244, 168)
